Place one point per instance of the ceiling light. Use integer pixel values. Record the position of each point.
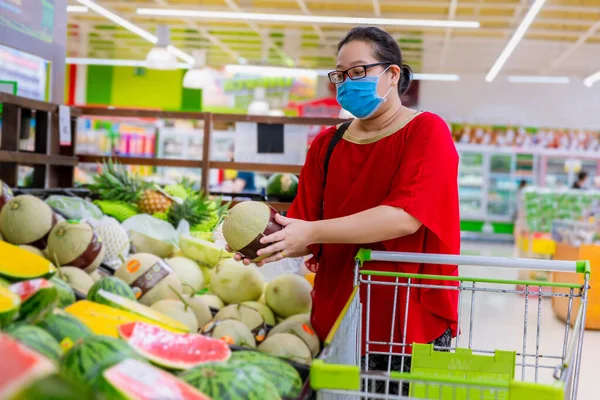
(590, 80)
(436, 77)
(540, 79)
(310, 19)
(265, 70)
(114, 62)
(159, 56)
(77, 9)
(514, 41)
(198, 77)
(133, 28)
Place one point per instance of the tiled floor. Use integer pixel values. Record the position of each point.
(498, 323)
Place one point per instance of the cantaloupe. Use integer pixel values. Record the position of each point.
(77, 279)
(287, 346)
(233, 332)
(263, 309)
(75, 244)
(178, 311)
(288, 295)
(301, 329)
(249, 316)
(27, 220)
(235, 282)
(150, 277)
(188, 272)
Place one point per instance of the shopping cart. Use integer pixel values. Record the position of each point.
(470, 367)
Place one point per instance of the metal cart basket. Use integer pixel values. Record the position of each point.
(534, 362)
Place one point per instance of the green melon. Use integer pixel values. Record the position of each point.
(282, 185)
(212, 300)
(76, 244)
(248, 315)
(112, 285)
(287, 346)
(188, 272)
(231, 331)
(33, 250)
(77, 279)
(235, 282)
(229, 381)
(200, 308)
(143, 243)
(66, 296)
(264, 310)
(289, 295)
(38, 297)
(285, 377)
(86, 361)
(65, 328)
(37, 339)
(178, 311)
(26, 220)
(55, 387)
(301, 329)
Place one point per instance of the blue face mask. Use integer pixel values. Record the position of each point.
(360, 97)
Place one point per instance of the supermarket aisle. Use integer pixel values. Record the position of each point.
(499, 324)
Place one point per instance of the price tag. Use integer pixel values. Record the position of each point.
(64, 125)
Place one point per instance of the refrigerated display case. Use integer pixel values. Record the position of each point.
(471, 184)
(555, 173)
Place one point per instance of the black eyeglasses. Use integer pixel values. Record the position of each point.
(354, 73)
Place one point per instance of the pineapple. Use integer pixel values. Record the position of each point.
(115, 184)
(195, 210)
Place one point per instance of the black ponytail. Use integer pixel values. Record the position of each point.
(385, 49)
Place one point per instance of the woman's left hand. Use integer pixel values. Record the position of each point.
(292, 241)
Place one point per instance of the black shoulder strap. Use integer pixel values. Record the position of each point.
(339, 133)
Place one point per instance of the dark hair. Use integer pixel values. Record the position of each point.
(582, 175)
(522, 184)
(385, 49)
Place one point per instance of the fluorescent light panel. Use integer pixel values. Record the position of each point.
(114, 62)
(436, 77)
(540, 79)
(77, 9)
(134, 28)
(514, 41)
(311, 19)
(590, 80)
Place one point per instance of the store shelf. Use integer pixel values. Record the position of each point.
(29, 158)
(154, 162)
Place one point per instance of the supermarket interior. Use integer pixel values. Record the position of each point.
(141, 142)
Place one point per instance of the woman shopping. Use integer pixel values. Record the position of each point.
(385, 181)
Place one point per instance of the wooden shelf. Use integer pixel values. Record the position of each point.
(281, 207)
(153, 162)
(28, 158)
(140, 113)
(256, 167)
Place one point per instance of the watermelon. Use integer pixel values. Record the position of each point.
(66, 295)
(286, 379)
(9, 305)
(140, 381)
(282, 185)
(20, 365)
(38, 297)
(173, 350)
(112, 285)
(54, 387)
(65, 328)
(229, 381)
(36, 339)
(86, 361)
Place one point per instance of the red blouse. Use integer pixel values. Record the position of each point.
(415, 168)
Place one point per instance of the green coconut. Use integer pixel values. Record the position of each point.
(146, 244)
(301, 329)
(264, 310)
(77, 279)
(245, 222)
(288, 295)
(287, 346)
(33, 250)
(188, 272)
(26, 219)
(233, 332)
(144, 264)
(200, 308)
(235, 282)
(76, 244)
(178, 311)
(212, 300)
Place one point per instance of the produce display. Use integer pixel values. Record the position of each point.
(85, 315)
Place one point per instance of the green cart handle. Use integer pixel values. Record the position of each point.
(581, 267)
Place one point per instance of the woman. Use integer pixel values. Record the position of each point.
(391, 185)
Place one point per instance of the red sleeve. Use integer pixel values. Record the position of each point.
(308, 204)
(425, 185)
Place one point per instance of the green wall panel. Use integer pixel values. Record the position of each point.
(147, 88)
(99, 85)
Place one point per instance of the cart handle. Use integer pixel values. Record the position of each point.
(580, 267)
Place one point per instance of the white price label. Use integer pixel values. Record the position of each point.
(64, 125)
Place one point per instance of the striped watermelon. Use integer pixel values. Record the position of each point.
(86, 361)
(66, 296)
(285, 377)
(141, 381)
(38, 297)
(65, 328)
(20, 365)
(110, 284)
(55, 387)
(173, 350)
(231, 381)
(36, 339)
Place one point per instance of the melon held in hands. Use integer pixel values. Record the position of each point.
(288, 295)
(235, 282)
(76, 244)
(27, 220)
(150, 277)
(244, 226)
